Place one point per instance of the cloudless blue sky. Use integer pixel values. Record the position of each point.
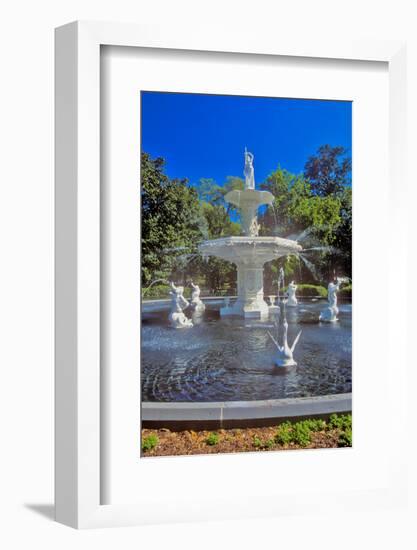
(204, 136)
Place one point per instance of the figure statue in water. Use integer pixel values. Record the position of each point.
(177, 317)
(329, 314)
(196, 302)
(292, 299)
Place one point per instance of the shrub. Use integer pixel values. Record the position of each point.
(284, 434)
(311, 291)
(301, 434)
(345, 438)
(257, 442)
(315, 425)
(345, 291)
(161, 292)
(149, 442)
(212, 438)
(342, 422)
(155, 291)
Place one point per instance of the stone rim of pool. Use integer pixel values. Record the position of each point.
(240, 414)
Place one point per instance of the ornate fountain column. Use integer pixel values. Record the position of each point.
(250, 289)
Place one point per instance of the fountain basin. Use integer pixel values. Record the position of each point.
(232, 359)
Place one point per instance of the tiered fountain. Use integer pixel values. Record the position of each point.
(249, 252)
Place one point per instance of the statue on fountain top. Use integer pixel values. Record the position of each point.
(178, 302)
(249, 170)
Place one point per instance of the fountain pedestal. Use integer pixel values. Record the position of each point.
(250, 302)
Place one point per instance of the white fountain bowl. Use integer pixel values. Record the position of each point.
(257, 250)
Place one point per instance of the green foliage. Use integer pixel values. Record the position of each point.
(149, 442)
(341, 422)
(301, 434)
(345, 291)
(296, 207)
(328, 171)
(172, 221)
(315, 424)
(161, 292)
(212, 438)
(308, 290)
(284, 434)
(257, 442)
(155, 291)
(326, 216)
(345, 438)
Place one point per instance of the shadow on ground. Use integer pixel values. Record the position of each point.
(45, 510)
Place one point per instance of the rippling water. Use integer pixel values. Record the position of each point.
(233, 359)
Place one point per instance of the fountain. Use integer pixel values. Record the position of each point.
(196, 302)
(249, 252)
(292, 299)
(177, 317)
(329, 314)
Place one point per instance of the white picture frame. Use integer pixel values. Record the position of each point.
(78, 265)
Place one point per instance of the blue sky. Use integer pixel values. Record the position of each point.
(204, 136)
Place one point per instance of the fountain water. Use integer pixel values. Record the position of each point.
(153, 283)
(249, 252)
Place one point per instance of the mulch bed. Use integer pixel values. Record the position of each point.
(190, 442)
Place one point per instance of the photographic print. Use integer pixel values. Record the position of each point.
(246, 274)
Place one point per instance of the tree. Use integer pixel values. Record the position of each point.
(209, 191)
(296, 210)
(172, 221)
(328, 171)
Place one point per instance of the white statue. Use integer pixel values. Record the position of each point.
(177, 316)
(249, 171)
(285, 352)
(292, 299)
(329, 315)
(196, 301)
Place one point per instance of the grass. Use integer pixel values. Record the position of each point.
(212, 439)
(149, 442)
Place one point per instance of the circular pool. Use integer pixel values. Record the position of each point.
(232, 359)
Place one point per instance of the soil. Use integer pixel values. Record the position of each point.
(190, 442)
